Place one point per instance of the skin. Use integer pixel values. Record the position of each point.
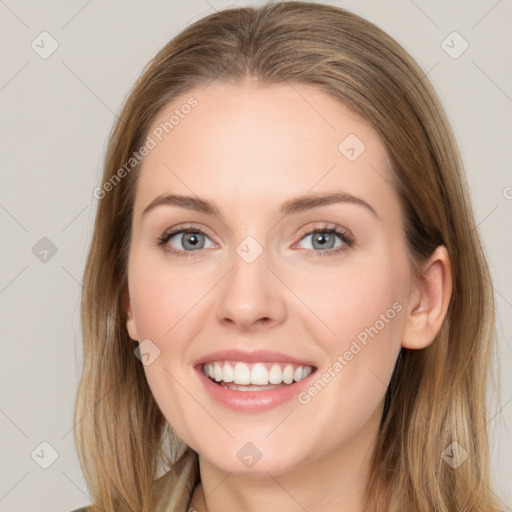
(248, 149)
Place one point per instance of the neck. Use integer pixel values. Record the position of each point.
(335, 480)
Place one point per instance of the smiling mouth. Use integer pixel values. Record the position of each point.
(260, 376)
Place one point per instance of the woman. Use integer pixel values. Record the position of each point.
(284, 231)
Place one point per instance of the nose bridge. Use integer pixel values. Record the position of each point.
(250, 293)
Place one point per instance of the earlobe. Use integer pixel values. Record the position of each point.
(130, 319)
(430, 301)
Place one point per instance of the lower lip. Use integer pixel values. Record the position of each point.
(253, 401)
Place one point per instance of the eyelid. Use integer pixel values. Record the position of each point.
(187, 227)
(324, 226)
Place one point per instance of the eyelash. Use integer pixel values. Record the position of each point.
(347, 240)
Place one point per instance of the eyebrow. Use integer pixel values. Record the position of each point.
(292, 206)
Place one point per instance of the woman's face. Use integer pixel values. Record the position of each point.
(265, 272)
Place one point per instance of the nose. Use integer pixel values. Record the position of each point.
(251, 297)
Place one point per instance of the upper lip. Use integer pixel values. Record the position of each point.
(251, 357)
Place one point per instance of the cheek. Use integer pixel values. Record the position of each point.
(163, 301)
(166, 306)
(358, 320)
(347, 301)
(169, 305)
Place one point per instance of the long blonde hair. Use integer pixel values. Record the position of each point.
(437, 395)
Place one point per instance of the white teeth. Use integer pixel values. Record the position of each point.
(258, 374)
(288, 374)
(217, 370)
(242, 374)
(228, 374)
(275, 375)
(236, 387)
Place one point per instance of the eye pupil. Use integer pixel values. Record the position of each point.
(192, 239)
(323, 240)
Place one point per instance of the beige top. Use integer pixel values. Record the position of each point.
(183, 476)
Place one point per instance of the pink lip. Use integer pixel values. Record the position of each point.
(252, 401)
(251, 357)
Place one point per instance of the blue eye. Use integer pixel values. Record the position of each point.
(182, 241)
(324, 239)
(327, 240)
(188, 241)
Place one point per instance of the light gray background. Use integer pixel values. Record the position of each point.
(56, 114)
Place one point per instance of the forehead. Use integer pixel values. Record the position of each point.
(259, 142)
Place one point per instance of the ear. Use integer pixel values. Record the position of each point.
(130, 319)
(429, 301)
